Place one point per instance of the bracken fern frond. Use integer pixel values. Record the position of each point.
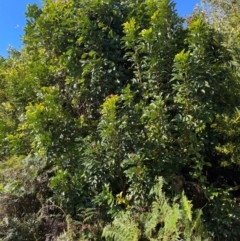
(123, 228)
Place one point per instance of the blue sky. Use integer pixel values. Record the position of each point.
(12, 20)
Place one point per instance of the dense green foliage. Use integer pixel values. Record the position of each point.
(106, 97)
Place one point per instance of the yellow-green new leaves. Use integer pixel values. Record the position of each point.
(130, 27)
(182, 58)
(120, 199)
(147, 34)
(131, 30)
(107, 124)
(38, 120)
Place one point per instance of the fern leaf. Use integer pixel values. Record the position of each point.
(187, 207)
(123, 228)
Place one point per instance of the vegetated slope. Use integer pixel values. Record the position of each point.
(104, 98)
